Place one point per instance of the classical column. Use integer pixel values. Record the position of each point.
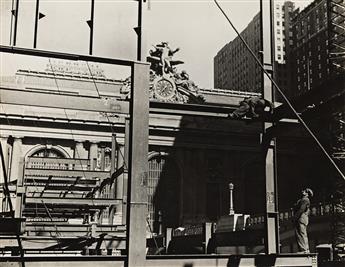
(4, 146)
(80, 152)
(93, 155)
(15, 159)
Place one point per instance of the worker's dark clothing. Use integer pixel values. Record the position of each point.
(301, 222)
(252, 107)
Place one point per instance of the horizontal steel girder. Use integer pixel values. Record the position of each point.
(286, 260)
(21, 97)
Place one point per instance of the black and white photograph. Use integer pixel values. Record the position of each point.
(172, 133)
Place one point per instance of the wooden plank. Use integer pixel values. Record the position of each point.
(41, 181)
(68, 201)
(68, 173)
(21, 97)
(74, 228)
(68, 188)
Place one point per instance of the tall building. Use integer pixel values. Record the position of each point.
(283, 42)
(311, 63)
(235, 68)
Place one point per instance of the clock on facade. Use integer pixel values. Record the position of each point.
(164, 89)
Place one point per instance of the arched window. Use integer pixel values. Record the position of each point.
(44, 151)
(163, 187)
(47, 153)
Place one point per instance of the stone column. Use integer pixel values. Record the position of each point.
(15, 159)
(79, 151)
(93, 155)
(102, 160)
(4, 145)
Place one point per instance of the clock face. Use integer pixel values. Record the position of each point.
(164, 89)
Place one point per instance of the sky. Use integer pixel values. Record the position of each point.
(197, 27)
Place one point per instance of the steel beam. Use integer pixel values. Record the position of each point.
(287, 260)
(67, 56)
(268, 144)
(138, 166)
(21, 97)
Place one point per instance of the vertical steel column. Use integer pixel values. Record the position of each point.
(125, 172)
(269, 145)
(14, 41)
(138, 166)
(113, 187)
(141, 49)
(90, 22)
(20, 190)
(3, 141)
(36, 22)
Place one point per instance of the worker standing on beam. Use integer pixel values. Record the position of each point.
(302, 211)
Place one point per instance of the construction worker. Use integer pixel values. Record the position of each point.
(302, 211)
(252, 107)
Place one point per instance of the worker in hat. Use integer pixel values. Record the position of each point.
(302, 211)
